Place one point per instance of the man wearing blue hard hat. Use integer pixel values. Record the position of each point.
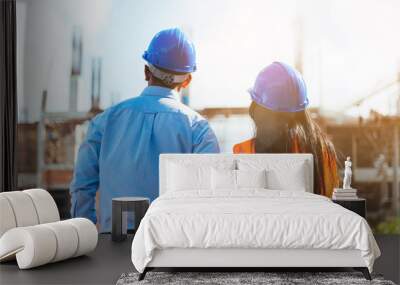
(120, 154)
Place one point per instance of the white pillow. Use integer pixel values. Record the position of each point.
(293, 180)
(227, 179)
(223, 179)
(281, 174)
(182, 177)
(195, 174)
(251, 178)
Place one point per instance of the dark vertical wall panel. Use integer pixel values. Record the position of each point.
(8, 95)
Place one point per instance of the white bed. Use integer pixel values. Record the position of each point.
(200, 223)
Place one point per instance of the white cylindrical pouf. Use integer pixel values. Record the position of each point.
(23, 208)
(40, 244)
(7, 218)
(87, 234)
(34, 246)
(67, 239)
(45, 206)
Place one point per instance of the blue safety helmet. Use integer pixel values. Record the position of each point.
(281, 88)
(172, 50)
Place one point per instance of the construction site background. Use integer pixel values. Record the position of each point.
(71, 62)
(371, 143)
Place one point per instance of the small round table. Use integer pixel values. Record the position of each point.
(120, 208)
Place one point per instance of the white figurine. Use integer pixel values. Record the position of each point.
(347, 174)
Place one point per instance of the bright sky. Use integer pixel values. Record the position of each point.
(349, 47)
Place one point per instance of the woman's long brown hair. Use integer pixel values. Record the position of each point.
(278, 132)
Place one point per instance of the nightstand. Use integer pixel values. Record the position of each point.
(357, 205)
(120, 208)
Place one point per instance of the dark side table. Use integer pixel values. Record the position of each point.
(120, 208)
(356, 205)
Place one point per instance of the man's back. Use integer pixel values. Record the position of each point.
(121, 152)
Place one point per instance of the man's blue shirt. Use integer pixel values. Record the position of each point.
(120, 154)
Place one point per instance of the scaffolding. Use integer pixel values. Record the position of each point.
(47, 119)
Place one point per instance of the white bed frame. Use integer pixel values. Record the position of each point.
(250, 258)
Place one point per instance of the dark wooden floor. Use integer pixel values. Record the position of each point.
(103, 266)
(389, 263)
(110, 260)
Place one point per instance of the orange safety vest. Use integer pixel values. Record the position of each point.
(330, 175)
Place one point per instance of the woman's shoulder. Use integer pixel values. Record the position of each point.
(245, 147)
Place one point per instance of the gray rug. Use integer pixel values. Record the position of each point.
(230, 278)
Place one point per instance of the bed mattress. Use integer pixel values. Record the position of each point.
(250, 219)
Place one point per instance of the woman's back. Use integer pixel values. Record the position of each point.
(283, 125)
(329, 175)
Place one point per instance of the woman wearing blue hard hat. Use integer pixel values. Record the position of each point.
(284, 125)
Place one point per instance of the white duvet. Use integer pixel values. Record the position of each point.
(250, 219)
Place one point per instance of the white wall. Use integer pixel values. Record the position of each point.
(349, 47)
(47, 42)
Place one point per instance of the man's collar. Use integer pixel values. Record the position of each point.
(160, 91)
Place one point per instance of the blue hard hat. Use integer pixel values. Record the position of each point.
(279, 87)
(172, 50)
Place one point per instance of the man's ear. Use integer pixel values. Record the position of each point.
(147, 73)
(186, 82)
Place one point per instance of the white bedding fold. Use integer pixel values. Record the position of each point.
(250, 219)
